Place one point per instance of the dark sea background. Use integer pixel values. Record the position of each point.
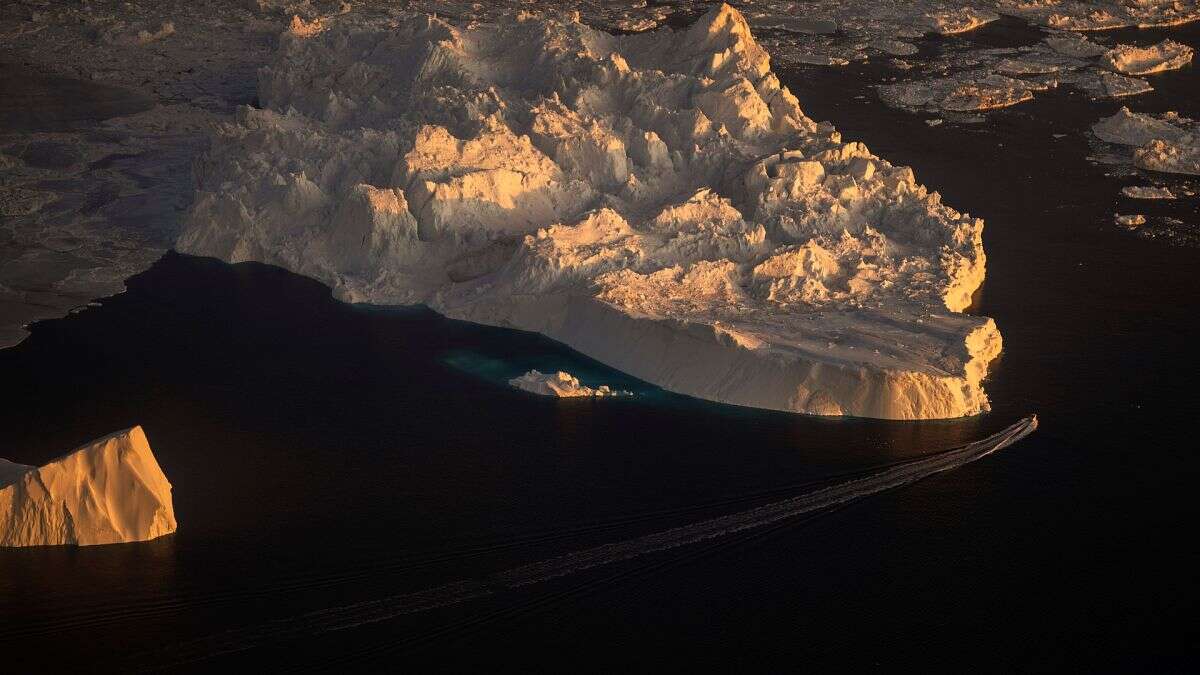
(324, 454)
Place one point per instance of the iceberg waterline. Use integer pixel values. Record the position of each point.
(658, 202)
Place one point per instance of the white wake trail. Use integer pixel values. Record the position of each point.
(373, 611)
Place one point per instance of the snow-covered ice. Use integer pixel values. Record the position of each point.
(78, 230)
(374, 610)
(1166, 143)
(560, 384)
(1126, 127)
(109, 491)
(657, 201)
(1098, 15)
(1178, 156)
(1132, 60)
(966, 92)
(978, 80)
(1130, 221)
(104, 109)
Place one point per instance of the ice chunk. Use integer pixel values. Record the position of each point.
(1166, 55)
(657, 201)
(1094, 15)
(1178, 155)
(1130, 128)
(560, 384)
(1111, 85)
(109, 491)
(1140, 192)
(966, 92)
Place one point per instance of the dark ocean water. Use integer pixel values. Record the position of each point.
(325, 454)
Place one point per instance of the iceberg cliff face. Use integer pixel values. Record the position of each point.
(106, 492)
(657, 201)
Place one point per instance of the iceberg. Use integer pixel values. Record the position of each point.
(560, 384)
(1131, 60)
(109, 491)
(1126, 127)
(1143, 192)
(1166, 143)
(657, 201)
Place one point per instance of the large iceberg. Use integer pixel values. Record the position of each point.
(109, 491)
(657, 201)
(1165, 143)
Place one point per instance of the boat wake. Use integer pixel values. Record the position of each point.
(373, 611)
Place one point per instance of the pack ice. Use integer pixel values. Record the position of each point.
(656, 201)
(109, 491)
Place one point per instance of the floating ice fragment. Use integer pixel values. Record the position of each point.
(1140, 192)
(108, 491)
(1130, 221)
(1130, 60)
(560, 384)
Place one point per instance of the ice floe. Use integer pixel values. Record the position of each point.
(1130, 221)
(109, 491)
(1165, 143)
(1131, 60)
